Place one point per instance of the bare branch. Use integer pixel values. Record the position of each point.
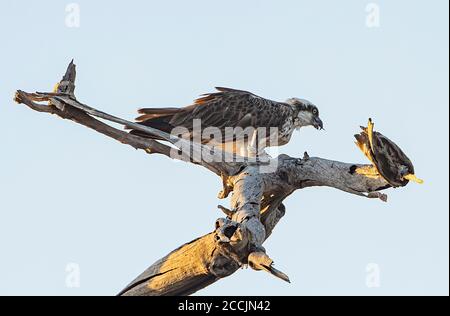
(237, 240)
(256, 203)
(63, 103)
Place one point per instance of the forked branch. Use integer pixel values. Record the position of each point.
(256, 202)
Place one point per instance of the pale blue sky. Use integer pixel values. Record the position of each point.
(68, 194)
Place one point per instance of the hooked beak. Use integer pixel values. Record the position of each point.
(318, 124)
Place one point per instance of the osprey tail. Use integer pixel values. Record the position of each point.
(158, 118)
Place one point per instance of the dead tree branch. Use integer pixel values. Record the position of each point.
(256, 203)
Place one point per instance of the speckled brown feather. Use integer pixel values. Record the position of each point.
(225, 108)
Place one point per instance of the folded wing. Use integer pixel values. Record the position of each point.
(225, 108)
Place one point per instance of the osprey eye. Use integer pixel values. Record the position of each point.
(315, 111)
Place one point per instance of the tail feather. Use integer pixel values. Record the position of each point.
(150, 113)
(158, 118)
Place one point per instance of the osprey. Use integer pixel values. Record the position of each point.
(389, 160)
(240, 110)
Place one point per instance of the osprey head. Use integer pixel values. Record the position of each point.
(307, 113)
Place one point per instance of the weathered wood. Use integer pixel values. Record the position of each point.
(292, 174)
(183, 271)
(256, 204)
